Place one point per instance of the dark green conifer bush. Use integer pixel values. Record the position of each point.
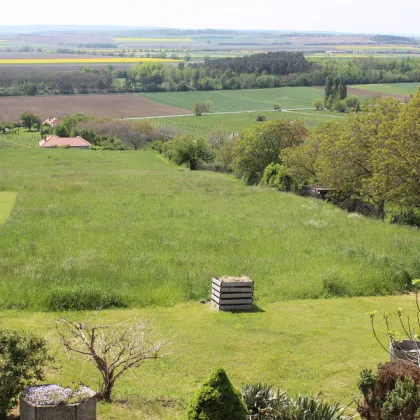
(217, 399)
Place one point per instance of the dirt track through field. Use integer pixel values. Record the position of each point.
(116, 106)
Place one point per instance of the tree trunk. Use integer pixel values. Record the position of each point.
(381, 209)
(105, 394)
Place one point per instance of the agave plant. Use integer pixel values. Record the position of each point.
(314, 408)
(263, 401)
(267, 403)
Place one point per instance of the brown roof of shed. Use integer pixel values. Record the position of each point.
(63, 141)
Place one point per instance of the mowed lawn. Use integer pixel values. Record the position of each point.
(241, 100)
(306, 346)
(7, 201)
(155, 234)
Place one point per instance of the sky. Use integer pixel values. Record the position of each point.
(357, 16)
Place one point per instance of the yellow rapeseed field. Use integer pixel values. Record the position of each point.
(99, 60)
(153, 39)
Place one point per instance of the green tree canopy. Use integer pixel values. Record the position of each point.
(22, 357)
(188, 149)
(29, 120)
(263, 144)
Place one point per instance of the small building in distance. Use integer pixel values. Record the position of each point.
(72, 142)
(52, 121)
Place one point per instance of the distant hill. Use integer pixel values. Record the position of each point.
(393, 39)
(31, 29)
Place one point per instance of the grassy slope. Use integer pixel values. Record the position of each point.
(7, 201)
(391, 88)
(239, 122)
(241, 100)
(306, 346)
(128, 221)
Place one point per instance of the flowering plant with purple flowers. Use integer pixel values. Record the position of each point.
(50, 395)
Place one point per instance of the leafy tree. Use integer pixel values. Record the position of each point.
(187, 149)
(217, 399)
(22, 358)
(339, 106)
(263, 144)
(68, 124)
(345, 155)
(29, 120)
(335, 91)
(61, 130)
(277, 107)
(302, 161)
(353, 103)
(277, 176)
(328, 89)
(200, 108)
(318, 104)
(397, 154)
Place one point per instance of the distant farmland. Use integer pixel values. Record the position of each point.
(117, 106)
(79, 60)
(240, 100)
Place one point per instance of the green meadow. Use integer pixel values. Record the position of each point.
(7, 201)
(238, 122)
(136, 231)
(241, 100)
(263, 99)
(391, 88)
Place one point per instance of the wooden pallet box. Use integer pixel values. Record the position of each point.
(232, 293)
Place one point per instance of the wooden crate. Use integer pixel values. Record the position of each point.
(230, 294)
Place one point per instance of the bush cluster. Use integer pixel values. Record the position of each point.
(22, 357)
(392, 393)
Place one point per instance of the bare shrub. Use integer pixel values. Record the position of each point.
(113, 349)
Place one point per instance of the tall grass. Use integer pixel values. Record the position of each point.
(155, 234)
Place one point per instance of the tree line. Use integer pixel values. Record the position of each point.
(256, 71)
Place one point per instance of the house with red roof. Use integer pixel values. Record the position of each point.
(73, 142)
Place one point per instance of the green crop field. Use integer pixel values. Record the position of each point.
(154, 234)
(306, 346)
(241, 100)
(238, 122)
(391, 88)
(25, 140)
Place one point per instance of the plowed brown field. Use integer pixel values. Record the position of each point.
(118, 106)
